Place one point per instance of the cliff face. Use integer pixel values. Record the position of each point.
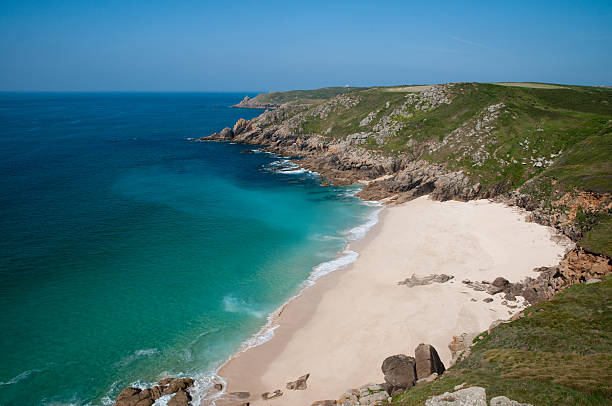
(453, 141)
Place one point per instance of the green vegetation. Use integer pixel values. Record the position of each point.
(559, 354)
(303, 96)
(598, 239)
(502, 135)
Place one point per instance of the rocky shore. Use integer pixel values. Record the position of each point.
(396, 178)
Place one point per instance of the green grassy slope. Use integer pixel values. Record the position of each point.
(560, 354)
(558, 138)
(303, 96)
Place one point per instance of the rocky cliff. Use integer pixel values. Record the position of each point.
(455, 141)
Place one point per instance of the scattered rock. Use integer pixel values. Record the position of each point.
(474, 396)
(487, 300)
(271, 395)
(592, 280)
(324, 403)
(460, 386)
(399, 371)
(504, 401)
(299, 384)
(498, 285)
(427, 361)
(425, 280)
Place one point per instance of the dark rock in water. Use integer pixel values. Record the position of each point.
(178, 384)
(299, 384)
(134, 397)
(165, 381)
(182, 398)
(218, 386)
(427, 361)
(399, 371)
(271, 395)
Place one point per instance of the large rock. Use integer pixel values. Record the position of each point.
(399, 371)
(427, 361)
(498, 285)
(474, 396)
(178, 384)
(504, 401)
(134, 397)
(182, 398)
(299, 384)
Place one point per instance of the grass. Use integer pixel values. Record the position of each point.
(560, 354)
(544, 131)
(304, 96)
(598, 238)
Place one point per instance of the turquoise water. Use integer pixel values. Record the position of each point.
(129, 253)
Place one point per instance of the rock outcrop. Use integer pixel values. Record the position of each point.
(146, 397)
(425, 280)
(368, 394)
(474, 396)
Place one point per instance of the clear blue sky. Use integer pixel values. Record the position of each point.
(175, 45)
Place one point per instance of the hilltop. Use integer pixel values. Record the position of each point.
(544, 147)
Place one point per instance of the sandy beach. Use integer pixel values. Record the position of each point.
(341, 329)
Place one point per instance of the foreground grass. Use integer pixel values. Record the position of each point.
(560, 354)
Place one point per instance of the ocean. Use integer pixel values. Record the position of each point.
(129, 253)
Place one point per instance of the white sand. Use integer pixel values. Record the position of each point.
(342, 329)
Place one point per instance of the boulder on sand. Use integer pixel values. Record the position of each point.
(399, 371)
(427, 361)
(299, 384)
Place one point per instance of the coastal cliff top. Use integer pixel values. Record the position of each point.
(551, 144)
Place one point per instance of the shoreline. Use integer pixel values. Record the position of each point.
(260, 369)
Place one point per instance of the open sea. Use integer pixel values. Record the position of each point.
(128, 253)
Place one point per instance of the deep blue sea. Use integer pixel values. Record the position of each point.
(128, 253)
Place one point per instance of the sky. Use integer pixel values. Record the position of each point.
(186, 45)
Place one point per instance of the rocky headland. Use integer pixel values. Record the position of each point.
(458, 142)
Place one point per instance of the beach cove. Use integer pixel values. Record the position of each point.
(340, 330)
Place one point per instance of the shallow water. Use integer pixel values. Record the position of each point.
(129, 253)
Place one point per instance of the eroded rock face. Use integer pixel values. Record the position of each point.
(427, 361)
(474, 396)
(399, 371)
